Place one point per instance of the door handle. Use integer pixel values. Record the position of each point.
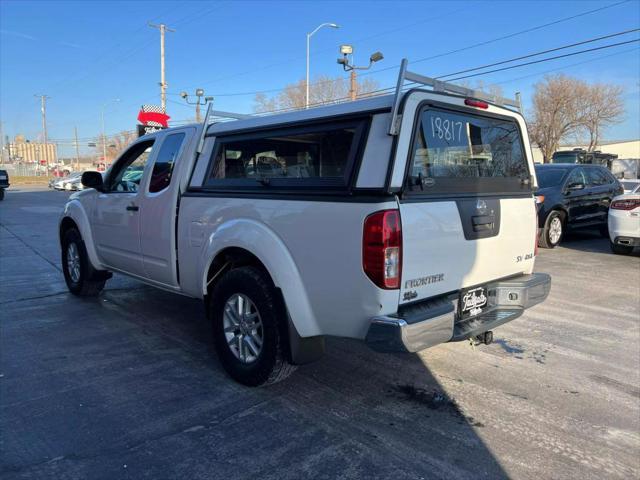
(483, 222)
(132, 208)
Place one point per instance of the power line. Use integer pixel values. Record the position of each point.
(563, 67)
(546, 59)
(390, 89)
(591, 40)
(540, 53)
(469, 47)
(505, 37)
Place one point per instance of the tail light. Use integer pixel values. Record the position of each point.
(626, 204)
(382, 248)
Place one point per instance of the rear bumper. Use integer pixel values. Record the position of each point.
(429, 323)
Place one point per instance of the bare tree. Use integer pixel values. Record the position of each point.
(605, 108)
(116, 144)
(559, 110)
(564, 106)
(323, 90)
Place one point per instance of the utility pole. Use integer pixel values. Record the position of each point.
(75, 131)
(43, 109)
(163, 84)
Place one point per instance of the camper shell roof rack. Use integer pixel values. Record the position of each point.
(444, 87)
(404, 76)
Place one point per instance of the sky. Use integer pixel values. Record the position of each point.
(86, 54)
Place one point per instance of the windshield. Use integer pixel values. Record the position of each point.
(550, 177)
(457, 152)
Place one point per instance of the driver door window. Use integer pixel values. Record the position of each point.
(127, 172)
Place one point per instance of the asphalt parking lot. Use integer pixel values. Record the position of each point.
(126, 385)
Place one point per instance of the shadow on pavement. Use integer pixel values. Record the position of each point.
(590, 241)
(126, 386)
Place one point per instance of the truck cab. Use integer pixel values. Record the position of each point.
(404, 221)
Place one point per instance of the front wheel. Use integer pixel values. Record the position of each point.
(80, 276)
(248, 328)
(621, 249)
(551, 233)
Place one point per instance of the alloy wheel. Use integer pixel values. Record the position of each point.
(243, 328)
(73, 262)
(555, 230)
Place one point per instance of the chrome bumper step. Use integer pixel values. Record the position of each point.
(430, 323)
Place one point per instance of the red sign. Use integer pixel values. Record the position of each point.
(155, 117)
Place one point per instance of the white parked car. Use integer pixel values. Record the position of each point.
(65, 183)
(624, 223)
(74, 183)
(404, 221)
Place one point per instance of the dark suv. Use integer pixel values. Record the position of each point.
(573, 196)
(4, 182)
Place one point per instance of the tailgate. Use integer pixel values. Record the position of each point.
(467, 209)
(440, 257)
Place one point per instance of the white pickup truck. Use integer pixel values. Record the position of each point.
(405, 220)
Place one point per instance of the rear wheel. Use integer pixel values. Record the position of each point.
(81, 278)
(248, 327)
(553, 230)
(621, 249)
(1, 194)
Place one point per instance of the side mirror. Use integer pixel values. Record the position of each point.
(92, 180)
(575, 186)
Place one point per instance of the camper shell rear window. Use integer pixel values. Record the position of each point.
(458, 152)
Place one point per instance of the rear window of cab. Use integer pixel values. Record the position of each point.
(458, 152)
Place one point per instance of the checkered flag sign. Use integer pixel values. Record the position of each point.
(154, 109)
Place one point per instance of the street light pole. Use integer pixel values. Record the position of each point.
(198, 102)
(348, 66)
(309, 35)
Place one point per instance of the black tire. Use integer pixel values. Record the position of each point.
(546, 239)
(1, 194)
(90, 282)
(270, 364)
(621, 249)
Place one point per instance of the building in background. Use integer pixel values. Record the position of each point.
(25, 151)
(628, 151)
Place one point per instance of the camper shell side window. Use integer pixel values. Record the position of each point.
(320, 156)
